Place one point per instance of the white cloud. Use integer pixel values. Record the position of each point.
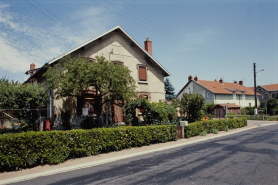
(45, 42)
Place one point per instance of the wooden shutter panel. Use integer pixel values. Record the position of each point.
(142, 73)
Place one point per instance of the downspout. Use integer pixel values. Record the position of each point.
(50, 104)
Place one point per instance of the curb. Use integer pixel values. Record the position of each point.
(105, 161)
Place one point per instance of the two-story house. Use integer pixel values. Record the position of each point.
(267, 91)
(220, 92)
(117, 46)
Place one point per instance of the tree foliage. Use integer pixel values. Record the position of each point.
(208, 108)
(152, 112)
(22, 101)
(73, 75)
(169, 90)
(272, 106)
(192, 104)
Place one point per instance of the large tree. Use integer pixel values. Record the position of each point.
(192, 104)
(112, 83)
(169, 90)
(22, 101)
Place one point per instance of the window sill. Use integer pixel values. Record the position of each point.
(142, 82)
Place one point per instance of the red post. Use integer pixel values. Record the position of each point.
(46, 125)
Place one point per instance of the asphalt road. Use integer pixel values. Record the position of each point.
(249, 157)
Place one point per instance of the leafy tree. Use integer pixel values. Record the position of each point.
(169, 90)
(272, 106)
(192, 104)
(208, 108)
(112, 83)
(22, 101)
(152, 112)
(247, 110)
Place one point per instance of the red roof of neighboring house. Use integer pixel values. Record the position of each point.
(225, 87)
(271, 87)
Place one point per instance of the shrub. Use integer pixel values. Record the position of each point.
(215, 131)
(23, 150)
(247, 111)
(203, 133)
(194, 129)
(154, 113)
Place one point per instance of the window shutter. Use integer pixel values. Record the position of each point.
(142, 73)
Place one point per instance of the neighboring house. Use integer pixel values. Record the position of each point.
(220, 92)
(267, 91)
(118, 47)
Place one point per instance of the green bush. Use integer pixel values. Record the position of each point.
(23, 150)
(194, 129)
(247, 111)
(203, 133)
(154, 113)
(215, 131)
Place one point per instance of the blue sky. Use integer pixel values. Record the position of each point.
(210, 39)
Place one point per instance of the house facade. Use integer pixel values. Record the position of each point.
(220, 92)
(117, 47)
(267, 91)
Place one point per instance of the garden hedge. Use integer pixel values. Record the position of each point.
(23, 150)
(194, 129)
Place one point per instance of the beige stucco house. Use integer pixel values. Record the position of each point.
(115, 45)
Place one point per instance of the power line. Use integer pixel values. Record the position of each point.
(23, 50)
(166, 27)
(249, 75)
(159, 33)
(60, 19)
(53, 19)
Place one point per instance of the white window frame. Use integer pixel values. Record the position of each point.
(243, 95)
(203, 93)
(234, 95)
(208, 95)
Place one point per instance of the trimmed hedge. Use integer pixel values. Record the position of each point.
(194, 129)
(23, 150)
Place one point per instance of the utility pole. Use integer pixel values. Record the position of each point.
(255, 88)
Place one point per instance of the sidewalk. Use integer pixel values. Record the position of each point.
(74, 164)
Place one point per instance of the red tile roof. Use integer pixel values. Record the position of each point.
(271, 87)
(225, 87)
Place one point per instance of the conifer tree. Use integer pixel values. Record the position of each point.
(169, 90)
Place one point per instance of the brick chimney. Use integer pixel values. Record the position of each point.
(240, 82)
(32, 66)
(221, 80)
(196, 78)
(235, 82)
(189, 78)
(148, 46)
